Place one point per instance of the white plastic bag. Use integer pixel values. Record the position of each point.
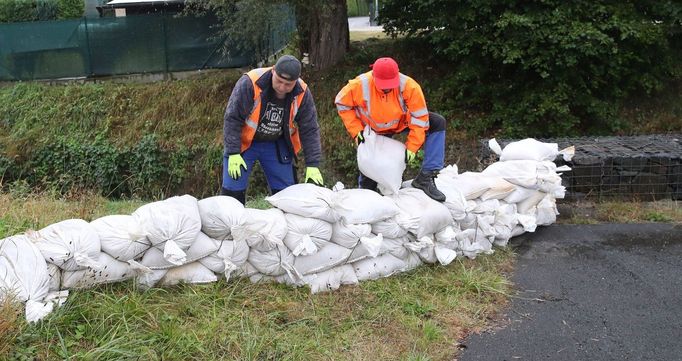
(382, 159)
(172, 225)
(262, 229)
(348, 235)
(305, 200)
(193, 272)
(331, 279)
(530, 149)
(306, 235)
(121, 237)
(414, 204)
(230, 256)
(202, 246)
(111, 271)
(219, 214)
(23, 274)
(329, 256)
(72, 244)
(363, 206)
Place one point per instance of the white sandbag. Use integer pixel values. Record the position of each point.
(546, 211)
(488, 207)
(527, 222)
(499, 188)
(519, 194)
(219, 214)
(121, 236)
(382, 159)
(37, 310)
(111, 271)
(329, 256)
(23, 275)
(331, 279)
(382, 266)
(306, 235)
(246, 270)
(55, 275)
(390, 228)
(263, 230)
(363, 206)
(447, 238)
(505, 220)
(473, 242)
(395, 246)
(193, 272)
(368, 247)
(172, 224)
(414, 204)
(274, 262)
(528, 205)
(424, 247)
(305, 200)
(202, 246)
(230, 256)
(468, 184)
(72, 244)
(527, 173)
(530, 149)
(454, 199)
(148, 280)
(348, 235)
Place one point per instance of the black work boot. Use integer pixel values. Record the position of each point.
(425, 182)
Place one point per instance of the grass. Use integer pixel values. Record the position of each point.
(418, 315)
(665, 211)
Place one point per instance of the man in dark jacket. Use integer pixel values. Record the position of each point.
(270, 117)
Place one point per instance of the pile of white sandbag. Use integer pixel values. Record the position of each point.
(313, 236)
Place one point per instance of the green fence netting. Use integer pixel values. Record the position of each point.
(111, 46)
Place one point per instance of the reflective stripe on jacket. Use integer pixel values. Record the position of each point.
(251, 124)
(360, 103)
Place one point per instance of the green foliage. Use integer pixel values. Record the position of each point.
(249, 26)
(40, 10)
(70, 9)
(546, 68)
(17, 10)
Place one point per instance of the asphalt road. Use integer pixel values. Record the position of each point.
(591, 292)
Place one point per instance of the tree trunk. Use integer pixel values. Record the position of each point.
(323, 31)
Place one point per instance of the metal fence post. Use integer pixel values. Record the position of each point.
(88, 59)
(165, 41)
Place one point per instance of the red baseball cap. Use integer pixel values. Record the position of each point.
(385, 73)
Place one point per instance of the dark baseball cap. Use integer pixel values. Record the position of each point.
(288, 67)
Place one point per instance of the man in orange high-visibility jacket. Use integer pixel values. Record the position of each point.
(391, 103)
(270, 117)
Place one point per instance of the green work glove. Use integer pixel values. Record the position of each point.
(359, 138)
(410, 157)
(313, 174)
(235, 163)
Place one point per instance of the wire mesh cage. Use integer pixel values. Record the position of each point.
(637, 168)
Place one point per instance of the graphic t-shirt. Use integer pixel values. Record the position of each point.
(271, 120)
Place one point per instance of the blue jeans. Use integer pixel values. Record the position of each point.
(278, 174)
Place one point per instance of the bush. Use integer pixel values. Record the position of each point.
(70, 9)
(17, 10)
(546, 68)
(40, 10)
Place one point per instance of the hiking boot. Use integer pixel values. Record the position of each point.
(425, 182)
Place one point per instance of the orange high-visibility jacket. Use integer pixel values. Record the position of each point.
(251, 124)
(360, 103)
